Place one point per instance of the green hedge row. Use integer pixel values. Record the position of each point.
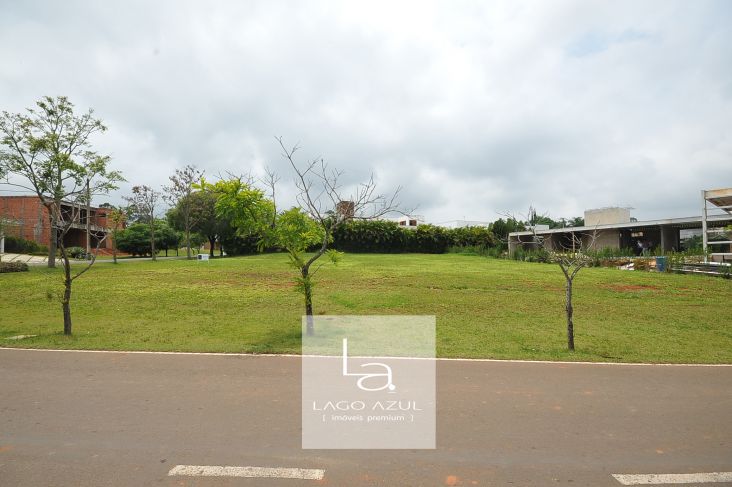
(19, 245)
(388, 237)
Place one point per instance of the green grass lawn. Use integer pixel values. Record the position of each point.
(485, 308)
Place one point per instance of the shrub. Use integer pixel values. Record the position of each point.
(539, 254)
(236, 245)
(76, 252)
(19, 245)
(13, 267)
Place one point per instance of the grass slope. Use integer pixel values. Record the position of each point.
(484, 307)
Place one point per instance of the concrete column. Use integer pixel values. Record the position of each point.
(704, 224)
(511, 245)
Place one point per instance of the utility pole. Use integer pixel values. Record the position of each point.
(88, 218)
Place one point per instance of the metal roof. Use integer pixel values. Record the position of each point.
(721, 198)
(685, 222)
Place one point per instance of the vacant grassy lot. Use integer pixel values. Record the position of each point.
(484, 307)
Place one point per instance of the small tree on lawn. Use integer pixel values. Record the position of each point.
(143, 202)
(117, 217)
(571, 259)
(322, 198)
(178, 195)
(571, 262)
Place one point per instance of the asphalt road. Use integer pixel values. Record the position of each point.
(124, 419)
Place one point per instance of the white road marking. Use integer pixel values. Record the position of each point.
(250, 472)
(673, 478)
(439, 359)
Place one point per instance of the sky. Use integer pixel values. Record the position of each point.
(476, 109)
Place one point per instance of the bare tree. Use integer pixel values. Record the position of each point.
(571, 262)
(66, 217)
(322, 196)
(270, 180)
(117, 217)
(178, 195)
(571, 259)
(143, 201)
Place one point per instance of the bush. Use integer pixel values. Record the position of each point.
(19, 245)
(13, 267)
(76, 252)
(235, 245)
(539, 254)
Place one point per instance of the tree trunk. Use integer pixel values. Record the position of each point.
(211, 243)
(152, 241)
(114, 253)
(52, 241)
(570, 324)
(308, 291)
(66, 302)
(188, 245)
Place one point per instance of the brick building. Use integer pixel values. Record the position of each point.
(30, 220)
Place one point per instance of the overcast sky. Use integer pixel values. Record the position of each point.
(475, 108)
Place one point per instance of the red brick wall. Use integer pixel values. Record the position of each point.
(31, 217)
(33, 222)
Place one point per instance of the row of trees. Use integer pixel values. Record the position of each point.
(49, 150)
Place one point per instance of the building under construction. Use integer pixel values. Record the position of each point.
(614, 228)
(29, 218)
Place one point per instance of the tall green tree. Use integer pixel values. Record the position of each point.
(49, 148)
(236, 203)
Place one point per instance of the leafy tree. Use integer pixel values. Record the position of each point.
(135, 239)
(202, 214)
(143, 202)
(179, 195)
(237, 204)
(577, 221)
(166, 238)
(501, 228)
(296, 232)
(49, 147)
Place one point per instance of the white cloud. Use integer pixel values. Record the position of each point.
(474, 107)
